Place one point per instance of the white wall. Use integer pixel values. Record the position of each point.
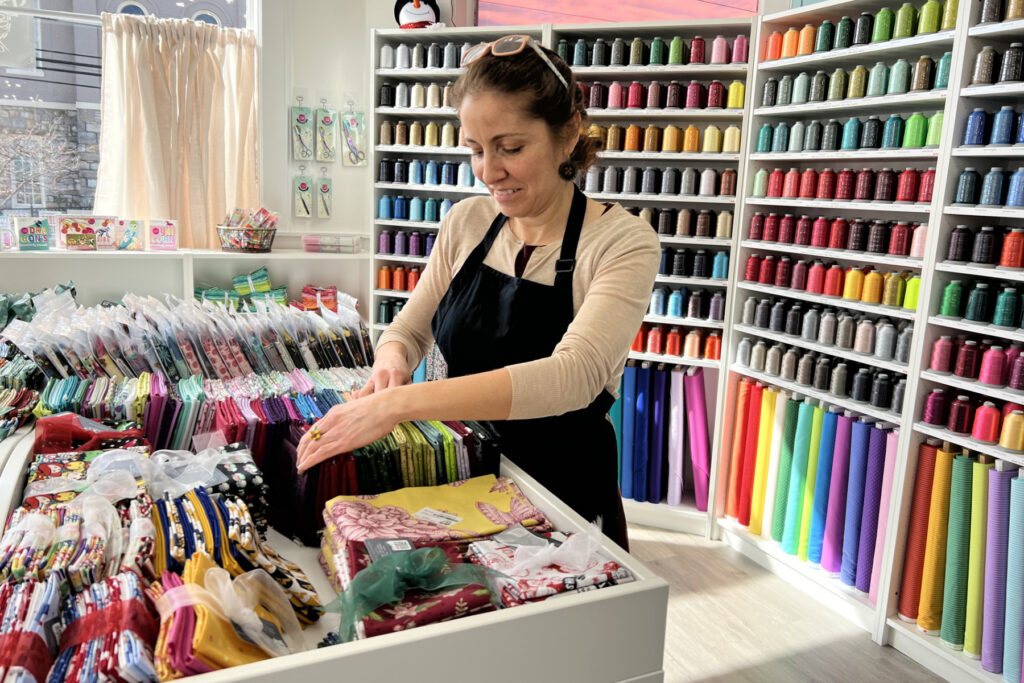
(319, 49)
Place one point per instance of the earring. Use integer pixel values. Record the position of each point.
(567, 170)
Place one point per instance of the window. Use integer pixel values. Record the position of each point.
(206, 17)
(27, 184)
(132, 8)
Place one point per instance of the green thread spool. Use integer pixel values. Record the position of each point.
(934, 137)
(915, 131)
(942, 69)
(899, 78)
(952, 295)
(675, 50)
(878, 79)
(819, 87)
(636, 52)
(764, 139)
(1006, 308)
(977, 303)
(844, 34)
(930, 18)
(912, 292)
(892, 132)
(837, 85)
(858, 86)
(906, 19)
(785, 91)
(780, 137)
(825, 36)
(657, 52)
(851, 134)
(882, 30)
(760, 183)
(796, 137)
(563, 49)
(949, 15)
(801, 88)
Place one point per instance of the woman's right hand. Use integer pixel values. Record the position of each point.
(390, 369)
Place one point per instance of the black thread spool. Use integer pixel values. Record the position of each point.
(984, 251)
(822, 373)
(778, 318)
(679, 263)
(794, 320)
(961, 241)
(862, 386)
(667, 222)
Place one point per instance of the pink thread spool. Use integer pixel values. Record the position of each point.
(798, 280)
(771, 228)
(1012, 354)
(803, 231)
(697, 51)
(986, 423)
(635, 98)
(993, 367)
(719, 50)
(695, 96)
(740, 49)
(654, 91)
(926, 186)
(816, 278)
(834, 280)
(808, 183)
(787, 229)
(838, 232)
(615, 96)
(775, 181)
(820, 232)
(826, 185)
(918, 239)
(791, 184)
(960, 415)
(756, 229)
(753, 269)
(1017, 374)
(942, 355)
(936, 408)
(783, 272)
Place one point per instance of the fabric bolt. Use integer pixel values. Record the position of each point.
(810, 483)
(929, 616)
(917, 533)
(656, 479)
(699, 439)
(996, 549)
(859, 449)
(764, 445)
(835, 519)
(750, 453)
(677, 434)
(641, 432)
(872, 500)
(739, 439)
(1014, 625)
(958, 547)
(891, 445)
(823, 479)
(772, 474)
(628, 429)
(974, 616)
(797, 480)
(793, 407)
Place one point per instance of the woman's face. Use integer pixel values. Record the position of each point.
(514, 154)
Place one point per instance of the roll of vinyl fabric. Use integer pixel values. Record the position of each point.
(764, 448)
(976, 562)
(822, 481)
(993, 626)
(891, 444)
(420, 373)
(628, 422)
(616, 416)
(676, 436)
(1014, 619)
(929, 612)
(958, 552)
(859, 442)
(750, 453)
(778, 436)
(642, 432)
(835, 519)
(659, 423)
(1014, 628)
(785, 469)
(869, 511)
(817, 419)
(917, 532)
(697, 428)
(798, 479)
(739, 441)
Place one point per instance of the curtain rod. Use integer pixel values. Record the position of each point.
(72, 17)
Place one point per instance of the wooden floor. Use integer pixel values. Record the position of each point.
(763, 629)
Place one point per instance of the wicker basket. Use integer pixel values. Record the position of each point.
(249, 240)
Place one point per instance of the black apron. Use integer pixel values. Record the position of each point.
(488, 320)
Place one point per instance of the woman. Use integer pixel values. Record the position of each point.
(533, 294)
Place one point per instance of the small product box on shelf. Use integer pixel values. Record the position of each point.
(128, 234)
(162, 235)
(33, 233)
(7, 239)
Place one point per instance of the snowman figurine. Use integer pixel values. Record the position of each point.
(417, 14)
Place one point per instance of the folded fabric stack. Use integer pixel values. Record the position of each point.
(28, 612)
(20, 381)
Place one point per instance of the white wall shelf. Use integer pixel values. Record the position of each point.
(1006, 30)
(948, 379)
(430, 150)
(973, 269)
(803, 390)
(969, 443)
(827, 349)
(898, 155)
(691, 281)
(683, 322)
(911, 100)
(702, 157)
(909, 208)
(411, 112)
(985, 211)
(683, 240)
(403, 259)
(627, 198)
(999, 91)
(685, 518)
(889, 50)
(423, 74)
(833, 301)
(998, 151)
(645, 72)
(411, 225)
(673, 360)
(435, 189)
(834, 254)
(984, 329)
(950, 664)
(380, 327)
(675, 115)
(392, 293)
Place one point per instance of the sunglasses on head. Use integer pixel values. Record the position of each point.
(508, 46)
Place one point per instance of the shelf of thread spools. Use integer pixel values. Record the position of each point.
(669, 344)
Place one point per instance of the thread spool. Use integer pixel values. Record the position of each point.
(874, 285)
(790, 360)
(978, 303)
(853, 284)
(845, 331)
(798, 281)
(805, 368)
(773, 360)
(809, 325)
(834, 277)
(1011, 435)
(803, 230)
(786, 230)
(885, 342)
(959, 420)
(903, 342)
(839, 380)
(861, 386)
(986, 423)
(936, 408)
(794, 320)
(777, 318)
(858, 82)
(1017, 374)
(1006, 308)
(893, 289)
(864, 340)
(822, 373)
(864, 187)
(993, 367)
(968, 360)
(827, 328)
(743, 352)
(881, 391)
(816, 278)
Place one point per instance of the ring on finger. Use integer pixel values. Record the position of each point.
(315, 433)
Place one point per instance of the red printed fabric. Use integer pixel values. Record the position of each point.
(26, 650)
(418, 607)
(124, 615)
(530, 585)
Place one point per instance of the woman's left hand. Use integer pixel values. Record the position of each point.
(344, 428)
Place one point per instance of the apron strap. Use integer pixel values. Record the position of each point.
(566, 263)
(479, 253)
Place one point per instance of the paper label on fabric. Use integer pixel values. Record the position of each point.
(381, 547)
(520, 535)
(437, 517)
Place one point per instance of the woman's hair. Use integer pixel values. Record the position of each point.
(545, 97)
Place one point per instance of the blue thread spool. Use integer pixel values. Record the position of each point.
(1020, 130)
(801, 88)
(649, 181)
(400, 173)
(812, 136)
(431, 238)
(1015, 193)
(764, 139)
(657, 305)
(892, 133)
(676, 302)
(466, 174)
(796, 137)
(401, 208)
(966, 187)
(579, 53)
(416, 172)
(992, 188)
(446, 206)
(448, 173)
(1002, 126)
(430, 212)
(384, 207)
(431, 173)
(416, 209)
(720, 266)
(974, 133)
(780, 137)
(851, 134)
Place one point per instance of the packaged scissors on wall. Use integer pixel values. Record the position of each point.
(302, 192)
(354, 129)
(326, 134)
(324, 197)
(301, 123)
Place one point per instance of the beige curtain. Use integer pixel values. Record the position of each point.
(178, 130)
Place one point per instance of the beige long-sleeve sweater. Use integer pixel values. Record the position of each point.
(616, 262)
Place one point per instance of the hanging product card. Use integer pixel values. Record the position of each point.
(162, 235)
(80, 225)
(302, 134)
(6, 233)
(128, 235)
(326, 134)
(33, 234)
(303, 194)
(325, 198)
(81, 241)
(104, 227)
(354, 130)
